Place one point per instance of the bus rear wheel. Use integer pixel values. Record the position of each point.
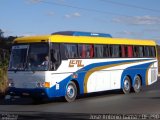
(126, 85)
(137, 84)
(71, 92)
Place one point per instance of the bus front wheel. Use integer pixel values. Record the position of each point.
(71, 92)
(126, 85)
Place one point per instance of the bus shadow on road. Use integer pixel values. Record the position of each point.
(154, 98)
(30, 101)
(16, 101)
(100, 94)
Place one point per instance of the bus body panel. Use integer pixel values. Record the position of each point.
(91, 74)
(96, 75)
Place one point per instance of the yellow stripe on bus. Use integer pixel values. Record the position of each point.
(84, 39)
(100, 40)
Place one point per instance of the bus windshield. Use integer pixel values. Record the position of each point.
(18, 57)
(30, 57)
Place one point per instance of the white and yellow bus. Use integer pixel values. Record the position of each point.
(73, 63)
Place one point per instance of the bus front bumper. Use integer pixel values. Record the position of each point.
(28, 92)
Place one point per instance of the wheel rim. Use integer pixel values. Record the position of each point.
(70, 91)
(137, 84)
(126, 85)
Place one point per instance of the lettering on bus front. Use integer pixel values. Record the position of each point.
(72, 63)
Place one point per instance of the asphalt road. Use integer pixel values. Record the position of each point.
(111, 102)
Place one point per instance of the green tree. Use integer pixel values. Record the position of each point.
(1, 33)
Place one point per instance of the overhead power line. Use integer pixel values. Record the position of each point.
(81, 8)
(129, 5)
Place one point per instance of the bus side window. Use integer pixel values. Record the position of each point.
(123, 51)
(136, 51)
(115, 51)
(146, 51)
(91, 51)
(141, 51)
(55, 56)
(85, 51)
(71, 51)
(99, 51)
(130, 51)
(68, 51)
(126, 51)
(152, 51)
(63, 51)
(106, 51)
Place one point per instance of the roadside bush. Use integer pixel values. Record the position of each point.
(3, 80)
(4, 58)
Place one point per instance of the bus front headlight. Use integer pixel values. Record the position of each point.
(11, 83)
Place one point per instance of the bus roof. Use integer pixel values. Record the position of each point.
(83, 39)
(79, 33)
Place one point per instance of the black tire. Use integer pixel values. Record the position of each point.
(71, 92)
(126, 85)
(137, 84)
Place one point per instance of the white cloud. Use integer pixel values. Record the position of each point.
(34, 1)
(29, 34)
(50, 13)
(67, 16)
(130, 33)
(138, 20)
(76, 14)
(157, 30)
(61, 0)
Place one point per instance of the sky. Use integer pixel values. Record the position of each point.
(137, 19)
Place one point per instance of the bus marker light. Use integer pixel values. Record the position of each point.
(74, 76)
(57, 86)
(47, 84)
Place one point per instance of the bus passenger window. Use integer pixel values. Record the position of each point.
(126, 51)
(106, 51)
(138, 51)
(152, 51)
(91, 51)
(85, 51)
(146, 51)
(141, 54)
(69, 51)
(123, 48)
(98, 51)
(130, 51)
(115, 51)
